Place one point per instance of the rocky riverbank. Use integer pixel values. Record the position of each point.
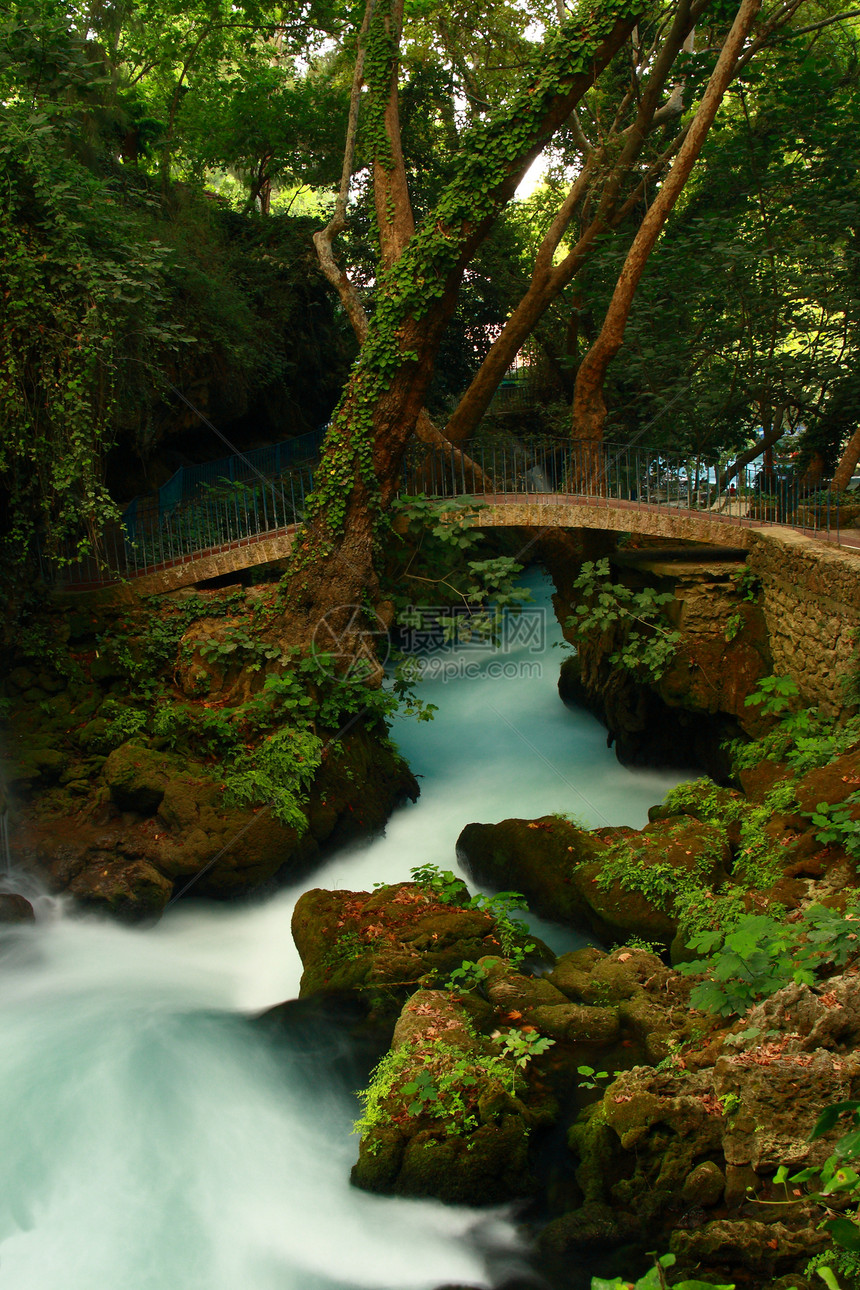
(628, 1108)
(152, 744)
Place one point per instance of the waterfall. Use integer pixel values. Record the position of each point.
(156, 1138)
(5, 849)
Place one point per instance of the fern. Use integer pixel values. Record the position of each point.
(275, 774)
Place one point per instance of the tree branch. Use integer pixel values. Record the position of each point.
(324, 239)
(588, 407)
(390, 189)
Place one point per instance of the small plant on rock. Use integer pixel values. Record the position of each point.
(590, 1078)
(760, 955)
(647, 642)
(522, 1045)
(655, 1279)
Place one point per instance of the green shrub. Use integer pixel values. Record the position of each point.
(759, 955)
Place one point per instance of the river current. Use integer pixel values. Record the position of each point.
(153, 1138)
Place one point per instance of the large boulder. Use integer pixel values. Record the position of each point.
(132, 891)
(15, 909)
(142, 809)
(687, 1155)
(137, 777)
(448, 1115)
(536, 857)
(616, 883)
(395, 936)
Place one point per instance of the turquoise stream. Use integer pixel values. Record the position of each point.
(153, 1139)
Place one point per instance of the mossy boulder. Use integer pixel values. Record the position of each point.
(760, 1248)
(34, 767)
(168, 812)
(391, 937)
(132, 891)
(137, 777)
(538, 1002)
(832, 783)
(451, 1118)
(361, 780)
(613, 885)
(631, 890)
(536, 857)
(690, 1151)
(15, 909)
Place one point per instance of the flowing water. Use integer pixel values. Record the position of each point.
(153, 1138)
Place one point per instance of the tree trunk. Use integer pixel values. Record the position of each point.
(549, 280)
(847, 463)
(589, 408)
(334, 559)
(771, 435)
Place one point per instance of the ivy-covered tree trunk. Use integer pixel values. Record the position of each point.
(334, 566)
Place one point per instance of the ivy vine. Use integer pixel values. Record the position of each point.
(410, 289)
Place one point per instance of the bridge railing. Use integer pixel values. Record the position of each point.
(549, 471)
(220, 517)
(604, 474)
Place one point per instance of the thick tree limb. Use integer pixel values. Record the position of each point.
(589, 410)
(771, 435)
(548, 281)
(325, 238)
(847, 463)
(390, 188)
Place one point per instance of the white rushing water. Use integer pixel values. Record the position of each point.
(153, 1139)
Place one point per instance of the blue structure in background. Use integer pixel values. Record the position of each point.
(188, 481)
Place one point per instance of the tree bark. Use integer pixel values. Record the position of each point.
(589, 409)
(847, 463)
(334, 555)
(390, 188)
(549, 280)
(324, 240)
(771, 435)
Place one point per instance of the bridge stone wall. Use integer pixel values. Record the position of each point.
(618, 517)
(811, 589)
(811, 604)
(241, 555)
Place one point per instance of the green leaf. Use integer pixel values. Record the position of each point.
(844, 1233)
(830, 1115)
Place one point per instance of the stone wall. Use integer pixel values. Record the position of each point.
(811, 605)
(806, 623)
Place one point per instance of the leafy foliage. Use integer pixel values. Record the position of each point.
(647, 642)
(837, 1178)
(445, 1083)
(774, 695)
(835, 823)
(805, 740)
(655, 1279)
(275, 775)
(760, 955)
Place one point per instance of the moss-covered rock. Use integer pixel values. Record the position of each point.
(689, 1152)
(614, 887)
(137, 777)
(536, 857)
(131, 891)
(451, 1118)
(391, 937)
(755, 1247)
